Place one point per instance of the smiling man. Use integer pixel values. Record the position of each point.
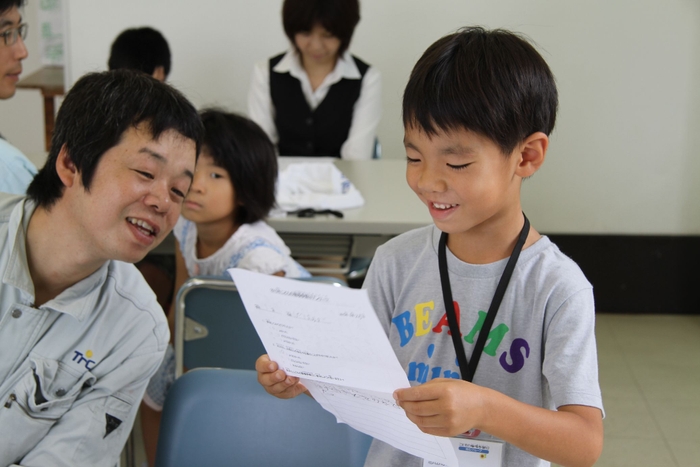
(16, 171)
(81, 332)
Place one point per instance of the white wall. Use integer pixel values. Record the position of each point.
(622, 158)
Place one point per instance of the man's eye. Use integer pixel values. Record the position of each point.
(145, 174)
(178, 193)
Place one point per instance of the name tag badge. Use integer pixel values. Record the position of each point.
(474, 453)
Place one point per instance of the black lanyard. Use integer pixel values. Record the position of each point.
(467, 369)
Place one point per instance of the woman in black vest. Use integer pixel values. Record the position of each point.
(317, 99)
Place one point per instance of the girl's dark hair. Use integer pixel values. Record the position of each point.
(339, 17)
(97, 111)
(241, 147)
(493, 83)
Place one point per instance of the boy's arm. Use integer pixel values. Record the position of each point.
(570, 436)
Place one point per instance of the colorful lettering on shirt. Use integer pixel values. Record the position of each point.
(418, 371)
(414, 326)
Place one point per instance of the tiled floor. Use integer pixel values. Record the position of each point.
(650, 378)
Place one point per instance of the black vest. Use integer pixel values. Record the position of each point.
(306, 132)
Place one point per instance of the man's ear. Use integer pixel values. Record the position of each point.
(159, 73)
(532, 152)
(66, 169)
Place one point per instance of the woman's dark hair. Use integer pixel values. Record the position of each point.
(142, 49)
(240, 146)
(95, 114)
(493, 83)
(339, 17)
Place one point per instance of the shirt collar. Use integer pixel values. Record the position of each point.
(77, 300)
(345, 67)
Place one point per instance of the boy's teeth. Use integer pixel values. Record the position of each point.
(443, 206)
(141, 224)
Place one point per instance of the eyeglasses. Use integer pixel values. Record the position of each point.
(10, 36)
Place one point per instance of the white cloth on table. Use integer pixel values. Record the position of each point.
(317, 185)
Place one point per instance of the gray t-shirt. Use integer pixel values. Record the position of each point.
(541, 349)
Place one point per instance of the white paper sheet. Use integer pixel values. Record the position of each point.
(331, 337)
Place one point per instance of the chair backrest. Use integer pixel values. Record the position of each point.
(212, 328)
(222, 417)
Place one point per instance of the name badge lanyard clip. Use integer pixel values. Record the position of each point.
(467, 369)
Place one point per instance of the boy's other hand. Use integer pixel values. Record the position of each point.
(276, 381)
(443, 406)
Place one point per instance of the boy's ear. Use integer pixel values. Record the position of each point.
(532, 153)
(65, 168)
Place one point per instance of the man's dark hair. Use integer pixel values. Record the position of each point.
(6, 5)
(339, 17)
(95, 114)
(493, 83)
(142, 49)
(240, 146)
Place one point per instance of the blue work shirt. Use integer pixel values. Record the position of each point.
(72, 371)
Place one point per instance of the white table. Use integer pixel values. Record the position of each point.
(390, 209)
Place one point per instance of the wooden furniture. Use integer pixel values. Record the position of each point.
(49, 80)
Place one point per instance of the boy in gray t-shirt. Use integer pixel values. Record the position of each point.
(477, 112)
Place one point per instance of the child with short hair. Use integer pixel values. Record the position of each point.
(144, 49)
(222, 227)
(481, 296)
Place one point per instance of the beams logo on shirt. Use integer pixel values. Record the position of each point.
(421, 324)
(84, 359)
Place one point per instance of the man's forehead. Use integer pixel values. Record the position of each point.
(10, 17)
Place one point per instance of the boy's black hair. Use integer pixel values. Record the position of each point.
(493, 83)
(95, 114)
(241, 147)
(5, 5)
(339, 17)
(142, 49)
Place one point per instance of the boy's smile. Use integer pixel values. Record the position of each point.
(470, 187)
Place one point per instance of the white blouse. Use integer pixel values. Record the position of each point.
(366, 113)
(255, 247)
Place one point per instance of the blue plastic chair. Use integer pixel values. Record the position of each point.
(222, 417)
(212, 328)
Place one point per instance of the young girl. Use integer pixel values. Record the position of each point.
(317, 99)
(222, 227)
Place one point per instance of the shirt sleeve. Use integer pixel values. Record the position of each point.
(93, 432)
(263, 259)
(570, 363)
(365, 119)
(260, 108)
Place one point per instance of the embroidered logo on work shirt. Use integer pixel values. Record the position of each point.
(84, 359)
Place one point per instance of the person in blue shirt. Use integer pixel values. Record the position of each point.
(16, 171)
